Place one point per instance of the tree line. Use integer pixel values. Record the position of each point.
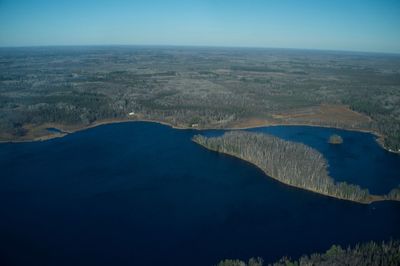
(366, 254)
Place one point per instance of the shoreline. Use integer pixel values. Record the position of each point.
(70, 130)
(372, 198)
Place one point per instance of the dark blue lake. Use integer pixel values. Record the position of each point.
(144, 194)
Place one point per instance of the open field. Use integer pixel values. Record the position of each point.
(77, 87)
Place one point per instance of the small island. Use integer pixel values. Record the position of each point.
(335, 139)
(291, 163)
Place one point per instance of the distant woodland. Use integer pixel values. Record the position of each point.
(367, 254)
(291, 163)
(202, 87)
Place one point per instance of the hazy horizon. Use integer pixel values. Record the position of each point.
(354, 26)
(198, 46)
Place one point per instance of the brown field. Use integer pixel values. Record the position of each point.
(325, 113)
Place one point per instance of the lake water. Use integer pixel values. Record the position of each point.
(144, 194)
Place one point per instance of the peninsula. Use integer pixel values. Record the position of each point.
(291, 163)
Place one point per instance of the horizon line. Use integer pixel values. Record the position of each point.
(199, 46)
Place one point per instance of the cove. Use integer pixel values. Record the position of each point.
(145, 194)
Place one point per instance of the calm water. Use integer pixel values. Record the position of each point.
(144, 194)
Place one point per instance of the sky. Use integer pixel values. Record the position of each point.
(354, 25)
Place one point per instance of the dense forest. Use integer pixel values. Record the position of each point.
(367, 254)
(289, 162)
(205, 87)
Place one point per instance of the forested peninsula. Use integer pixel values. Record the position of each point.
(291, 163)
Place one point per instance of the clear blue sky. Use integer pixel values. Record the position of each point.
(360, 25)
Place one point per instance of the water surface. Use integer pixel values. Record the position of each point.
(144, 194)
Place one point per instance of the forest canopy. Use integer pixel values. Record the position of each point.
(366, 254)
